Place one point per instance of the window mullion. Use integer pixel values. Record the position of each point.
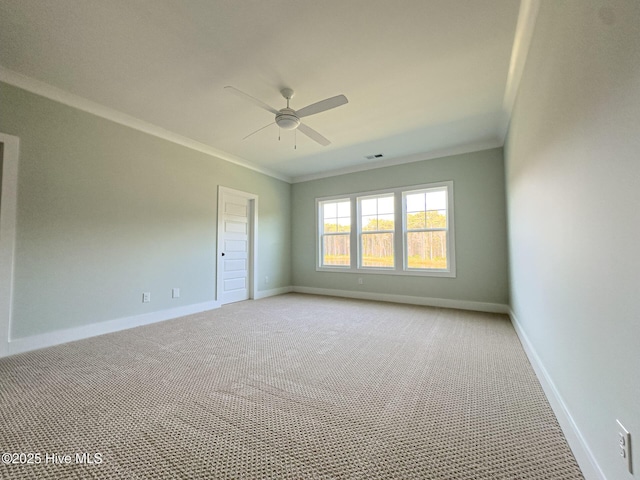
(354, 238)
(398, 237)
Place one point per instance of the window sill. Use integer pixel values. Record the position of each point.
(388, 271)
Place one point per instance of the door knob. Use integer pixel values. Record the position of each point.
(223, 254)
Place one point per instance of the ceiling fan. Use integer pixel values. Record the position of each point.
(289, 119)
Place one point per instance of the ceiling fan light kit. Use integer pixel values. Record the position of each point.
(289, 119)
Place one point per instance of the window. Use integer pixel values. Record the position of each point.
(425, 221)
(335, 231)
(400, 231)
(377, 228)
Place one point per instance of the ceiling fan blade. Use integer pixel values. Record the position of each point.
(313, 135)
(322, 105)
(253, 100)
(262, 128)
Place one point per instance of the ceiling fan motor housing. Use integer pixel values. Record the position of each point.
(287, 119)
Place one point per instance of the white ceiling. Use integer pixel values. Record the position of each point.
(421, 76)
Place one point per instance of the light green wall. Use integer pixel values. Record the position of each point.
(574, 214)
(106, 212)
(480, 226)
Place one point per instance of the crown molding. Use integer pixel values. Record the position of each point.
(417, 157)
(521, 43)
(61, 96)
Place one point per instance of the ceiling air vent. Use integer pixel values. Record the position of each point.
(371, 157)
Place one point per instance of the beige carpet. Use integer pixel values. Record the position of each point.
(291, 387)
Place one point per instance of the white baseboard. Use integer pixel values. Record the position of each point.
(427, 301)
(272, 292)
(587, 462)
(57, 337)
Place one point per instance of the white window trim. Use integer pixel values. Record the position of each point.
(360, 232)
(320, 233)
(399, 234)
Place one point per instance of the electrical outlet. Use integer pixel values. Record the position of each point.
(146, 297)
(624, 445)
(360, 281)
(266, 279)
(175, 293)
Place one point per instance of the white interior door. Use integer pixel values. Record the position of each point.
(236, 240)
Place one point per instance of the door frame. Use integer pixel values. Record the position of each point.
(253, 241)
(8, 204)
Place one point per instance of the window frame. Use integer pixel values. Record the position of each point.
(399, 237)
(320, 233)
(425, 229)
(361, 232)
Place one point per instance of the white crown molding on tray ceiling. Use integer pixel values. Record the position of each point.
(519, 51)
(416, 157)
(54, 93)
